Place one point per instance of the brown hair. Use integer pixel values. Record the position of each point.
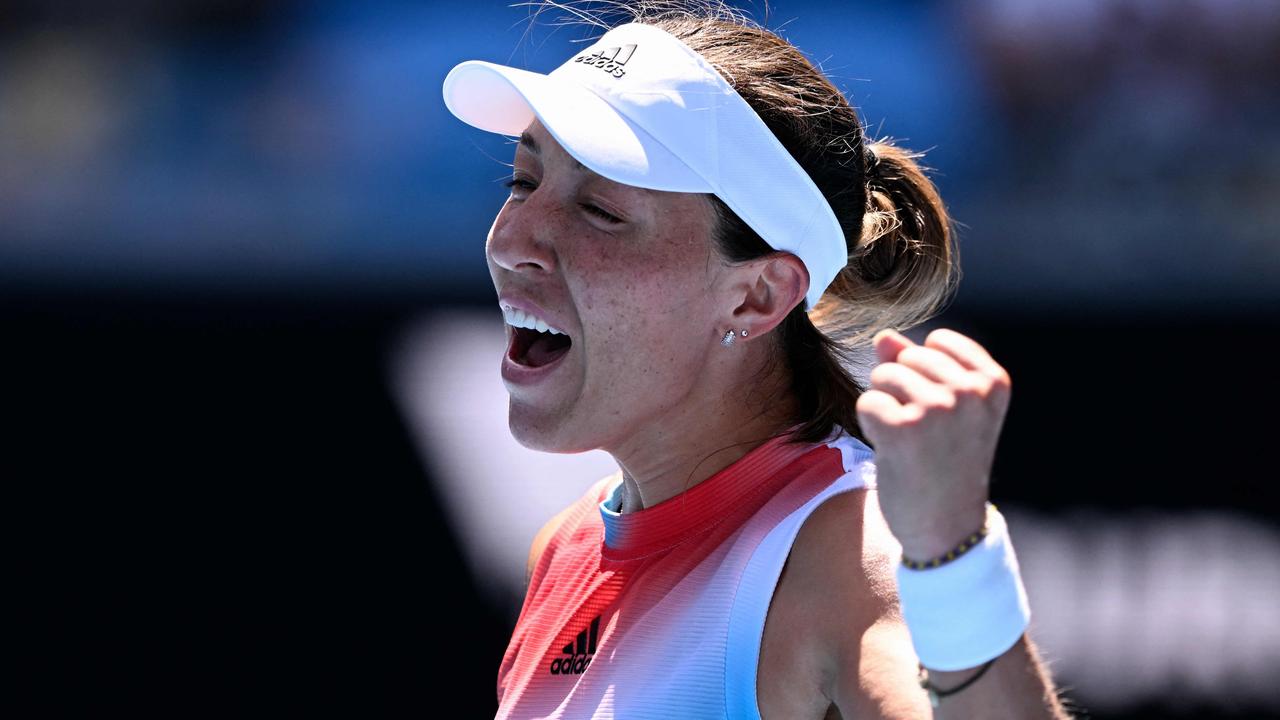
(903, 265)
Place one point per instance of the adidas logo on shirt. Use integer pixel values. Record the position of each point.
(610, 60)
(580, 653)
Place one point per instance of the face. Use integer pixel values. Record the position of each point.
(628, 276)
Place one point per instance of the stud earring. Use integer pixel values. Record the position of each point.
(728, 339)
(743, 332)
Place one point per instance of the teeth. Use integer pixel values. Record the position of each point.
(521, 319)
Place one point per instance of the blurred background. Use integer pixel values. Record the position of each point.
(256, 456)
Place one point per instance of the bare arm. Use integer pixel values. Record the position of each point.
(848, 549)
(934, 413)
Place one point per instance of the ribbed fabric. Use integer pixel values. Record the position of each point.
(659, 613)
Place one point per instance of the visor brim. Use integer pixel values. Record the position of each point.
(505, 100)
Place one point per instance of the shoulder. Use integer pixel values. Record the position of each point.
(838, 592)
(848, 526)
(843, 559)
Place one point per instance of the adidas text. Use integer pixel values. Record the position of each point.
(573, 665)
(580, 652)
(610, 60)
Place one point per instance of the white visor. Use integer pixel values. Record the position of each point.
(641, 108)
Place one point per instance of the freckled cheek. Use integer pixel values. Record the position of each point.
(645, 298)
(625, 307)
(655, 283)
(635, 335)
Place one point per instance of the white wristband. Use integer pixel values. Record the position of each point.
(970, 610)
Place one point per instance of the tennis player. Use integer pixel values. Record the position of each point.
(698, 233)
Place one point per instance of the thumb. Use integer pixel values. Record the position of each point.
(889, 343)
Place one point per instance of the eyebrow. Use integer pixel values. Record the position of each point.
(528, 143)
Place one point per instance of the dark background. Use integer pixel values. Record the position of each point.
(216, 217)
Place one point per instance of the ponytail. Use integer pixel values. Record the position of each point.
(904, 265)
(902, 269)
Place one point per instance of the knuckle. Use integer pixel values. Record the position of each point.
(911, 416)
(925, 358)
(882, 373)
(913, 353)
(943, 338)
(975, 386)
(938, 334)
(943, 401)
(864, 405)
(1000, 380)
(870, 408)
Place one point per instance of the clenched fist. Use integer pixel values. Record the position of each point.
(933, 413)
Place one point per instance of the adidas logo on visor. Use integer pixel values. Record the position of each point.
(579, 653)
(610, 60)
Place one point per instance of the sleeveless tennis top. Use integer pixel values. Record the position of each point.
(660, 613)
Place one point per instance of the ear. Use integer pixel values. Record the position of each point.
(771, 287)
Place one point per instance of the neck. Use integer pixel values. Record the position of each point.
(669, 457)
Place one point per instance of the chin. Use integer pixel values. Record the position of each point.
(552, 431)
(545, 431)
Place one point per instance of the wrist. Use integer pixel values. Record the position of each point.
(966, 612)
(952, 682)
(945, 535)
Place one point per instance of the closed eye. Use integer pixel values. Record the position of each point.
(519, 183)
(607, 217)
(520, 186)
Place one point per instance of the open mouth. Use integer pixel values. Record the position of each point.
(534, 342)
(533, 348)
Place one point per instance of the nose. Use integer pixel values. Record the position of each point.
(520, 239)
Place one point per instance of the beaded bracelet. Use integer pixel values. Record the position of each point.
(965, 546)
(936, 693)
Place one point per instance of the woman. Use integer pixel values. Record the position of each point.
(697, 233)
